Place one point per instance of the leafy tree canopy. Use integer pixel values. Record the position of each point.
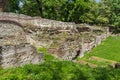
(104, 12)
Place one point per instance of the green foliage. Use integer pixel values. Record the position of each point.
(105, 12)
(47, 56)
(111, 10)
(63, 10)
(14, 5)
(29, 7)
(59, 70)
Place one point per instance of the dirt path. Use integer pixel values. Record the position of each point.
(82, 62)
(98, 59)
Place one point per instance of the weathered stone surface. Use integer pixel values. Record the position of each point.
(68, 49)
(11, 33)
(76, 45)
(14, 49)
(37, 22)
(17, 55)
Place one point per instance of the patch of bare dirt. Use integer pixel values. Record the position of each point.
(87, 63)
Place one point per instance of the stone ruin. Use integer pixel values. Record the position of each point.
(65, 40)
(37, 22)
(14, 49)
(11, 33)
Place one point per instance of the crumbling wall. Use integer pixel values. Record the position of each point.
(88, 46)
(37, 22)
(11, 33)
(46, 31)
(14, 49)
(17, 55)
(78, 45)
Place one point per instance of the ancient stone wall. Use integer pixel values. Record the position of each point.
(97, 41)
(14, 49)
(17, 55)
(67, 50)
(77, 45)
(37, 21)
(11, 33)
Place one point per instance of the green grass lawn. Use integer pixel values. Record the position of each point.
(109, 49)
(59, 70)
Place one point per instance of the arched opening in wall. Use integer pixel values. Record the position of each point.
(78, 53)
(1, 37)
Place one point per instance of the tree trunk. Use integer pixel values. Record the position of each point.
(3, 5)
(39, 3)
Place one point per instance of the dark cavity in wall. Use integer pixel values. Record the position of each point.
(0, 54)
(78, 53)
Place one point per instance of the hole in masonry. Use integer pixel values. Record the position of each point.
(0, 54)
(78, 53)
